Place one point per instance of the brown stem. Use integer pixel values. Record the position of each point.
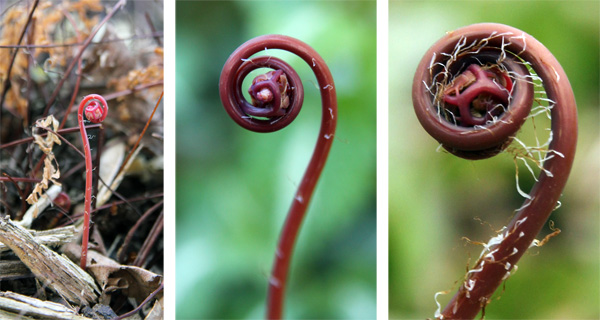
(151, 239)
(128, 201)
(114, 95)
(153, 29)
(27, 140)
(78, 80)
(21, 195)
(87, 42)
(123, 250)
(115, 203)
(138, 308)
(64, 140)
(137, 143)
(278, 99)
(74, 44)
(503, 47)
(14, 56)
(32, 180)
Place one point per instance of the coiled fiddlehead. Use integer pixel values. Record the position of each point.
(276, 100)
(95, 109)
(472, 91)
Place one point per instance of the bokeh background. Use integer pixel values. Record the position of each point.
(234, 187)
(435, 197)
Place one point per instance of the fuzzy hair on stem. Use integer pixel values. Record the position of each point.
(95, 109)
(511, 52)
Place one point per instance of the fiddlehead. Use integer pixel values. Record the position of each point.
(95, 109)
(276, 100)
(472, 91)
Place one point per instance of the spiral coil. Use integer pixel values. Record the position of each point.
(277, 97)
(472, 91)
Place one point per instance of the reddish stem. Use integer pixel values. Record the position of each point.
(287, 101)
(95, 109)
(504, 46)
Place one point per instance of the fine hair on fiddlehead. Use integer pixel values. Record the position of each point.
(472, 91)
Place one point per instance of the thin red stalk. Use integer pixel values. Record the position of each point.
(100, 109)
(493, 268)
(75, 89)
(236, 68)
(14, 56)
(115, 193)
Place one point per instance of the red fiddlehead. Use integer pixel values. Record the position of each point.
(95, 109)
(472, 91)
(276, 100)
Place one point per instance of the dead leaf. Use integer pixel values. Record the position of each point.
(135, 282)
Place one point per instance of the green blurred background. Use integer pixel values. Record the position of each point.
(434, 196)
(234, 187)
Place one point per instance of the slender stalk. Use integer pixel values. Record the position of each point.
(137, 143)
(14, 56)
(277, 98)
(78, 79)
(74, 44)
(146, 301)
(21, 195)
(123, 250)
(11, 179)
(29, 139)
(95, 109)
(502, 47)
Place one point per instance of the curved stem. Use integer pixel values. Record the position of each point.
(233, 105)
(95, 108)
(506, 248)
